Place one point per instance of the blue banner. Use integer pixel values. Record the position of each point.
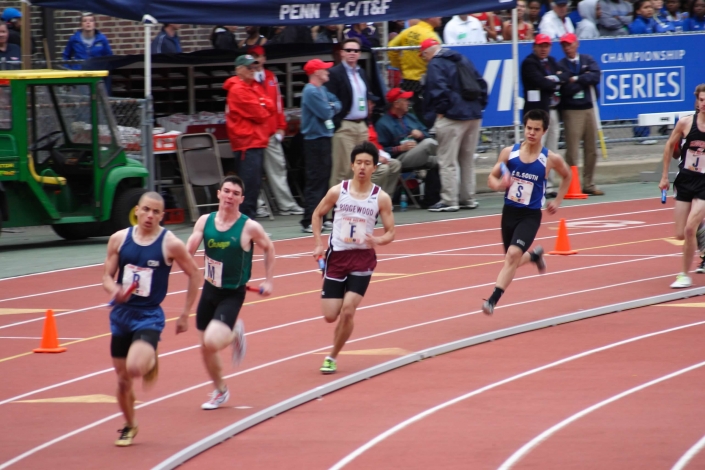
(640, 75)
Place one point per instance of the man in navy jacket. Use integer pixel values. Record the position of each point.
(581, 74)
(457, 123)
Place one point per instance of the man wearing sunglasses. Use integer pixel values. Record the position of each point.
(352, 86)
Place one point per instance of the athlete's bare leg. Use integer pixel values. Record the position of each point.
(214, 339)
(346, 313)
(125, 394)
(697, 212)
(680, 213)
(512, 260)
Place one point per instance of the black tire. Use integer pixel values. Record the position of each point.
(77, 231)
(123, 205)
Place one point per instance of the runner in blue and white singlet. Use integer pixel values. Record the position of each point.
(350, 257)
(524, 186)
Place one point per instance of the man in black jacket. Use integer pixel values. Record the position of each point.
(581, 73)
(542, 79)
(352, 86)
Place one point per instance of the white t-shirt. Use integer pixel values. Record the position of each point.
(552, 25)
(458, 31)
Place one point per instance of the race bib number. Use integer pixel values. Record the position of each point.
(214, 272)
(520, 191)
(353, 230)
(142, 276)
(695, 161)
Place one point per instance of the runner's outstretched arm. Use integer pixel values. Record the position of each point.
(177, 251)
(194, 241)
(557, 163)
(259, 236)
(676, 136)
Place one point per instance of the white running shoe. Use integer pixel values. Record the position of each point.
(327, 225)
(682, 281)
(217, 399)
(239, 343)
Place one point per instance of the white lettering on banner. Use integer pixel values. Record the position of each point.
(643, 56)
(300, 11)
(504, 103)
(304, 11)
(639, 86)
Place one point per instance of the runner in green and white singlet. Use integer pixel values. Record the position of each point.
(229, 238)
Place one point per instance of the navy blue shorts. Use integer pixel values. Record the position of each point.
(125, 320)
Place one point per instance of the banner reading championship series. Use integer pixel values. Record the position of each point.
(640, 75)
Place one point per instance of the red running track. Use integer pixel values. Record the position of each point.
(425, 294)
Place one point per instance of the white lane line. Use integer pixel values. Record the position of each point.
(366, 307)
(35, 337)
(581, 255)
(529, 446)
(689, 455)
(71, 312)
(418, 417)
(278, 361)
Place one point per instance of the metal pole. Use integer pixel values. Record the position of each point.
(26, 35)
(515, 71)
(147, 125)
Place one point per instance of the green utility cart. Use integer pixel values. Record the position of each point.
(61, 162)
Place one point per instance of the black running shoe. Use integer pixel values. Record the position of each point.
(701, 267)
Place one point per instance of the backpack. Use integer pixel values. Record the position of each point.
(469, 88)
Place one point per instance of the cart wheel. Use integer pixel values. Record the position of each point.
(124, 208)
(77, 231)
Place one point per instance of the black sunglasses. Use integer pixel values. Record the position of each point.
(352, 50)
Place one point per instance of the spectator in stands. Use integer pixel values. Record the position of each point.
(13, 18)
(672, 15)
(318, 106)
(274, 161)
(581, 74)
(247, 117)
(291, 35)
(542, 79)
(254, 38)
(574, 14)
(525, 30)
(464, 29)
(352, 86)
(412, 66)
(534, 15)
(364, 33)
(167, 41)
(329, 34)
(644, 22)
(394, 28)
(696, 20)
(615, 16)
(10, 54)
(87, 43)
(223, 38)
(457, 123)
(492, 25)
(556, 23)
(590, 12)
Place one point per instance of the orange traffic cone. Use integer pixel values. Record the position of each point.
(574, 191)
(562, 243)
(50, 338)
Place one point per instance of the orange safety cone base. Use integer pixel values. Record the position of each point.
(574, 191)
(571, 252)
(49, 350)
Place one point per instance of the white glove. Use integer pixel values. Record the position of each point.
(553, 78)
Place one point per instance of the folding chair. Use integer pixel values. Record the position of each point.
(406, 188)
(199, 158)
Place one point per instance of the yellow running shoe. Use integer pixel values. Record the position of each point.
(126, 435)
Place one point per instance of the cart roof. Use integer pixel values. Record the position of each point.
(48, 73)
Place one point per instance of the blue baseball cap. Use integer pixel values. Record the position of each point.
(10, 14)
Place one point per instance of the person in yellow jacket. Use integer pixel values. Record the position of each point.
(412, 66)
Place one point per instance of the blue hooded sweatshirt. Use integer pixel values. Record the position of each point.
(76, 49)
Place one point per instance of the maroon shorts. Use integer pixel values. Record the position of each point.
(339, 264)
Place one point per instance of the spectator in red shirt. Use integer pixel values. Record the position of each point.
(274, 161)
(247, 114)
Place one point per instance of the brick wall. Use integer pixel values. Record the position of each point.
(126, 37)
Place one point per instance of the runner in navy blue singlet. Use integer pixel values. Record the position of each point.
(689, 186)
(521, 173)
(142, 257)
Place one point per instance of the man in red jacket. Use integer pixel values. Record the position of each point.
(247, 114)
(274, 162)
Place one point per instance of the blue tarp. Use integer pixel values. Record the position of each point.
(276, 12)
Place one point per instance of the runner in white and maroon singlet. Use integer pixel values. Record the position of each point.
(350, 258)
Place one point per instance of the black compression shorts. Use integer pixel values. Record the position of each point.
(689, 185)
(519, 227)
(219, 304)
(334, 289)
(120, 344)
